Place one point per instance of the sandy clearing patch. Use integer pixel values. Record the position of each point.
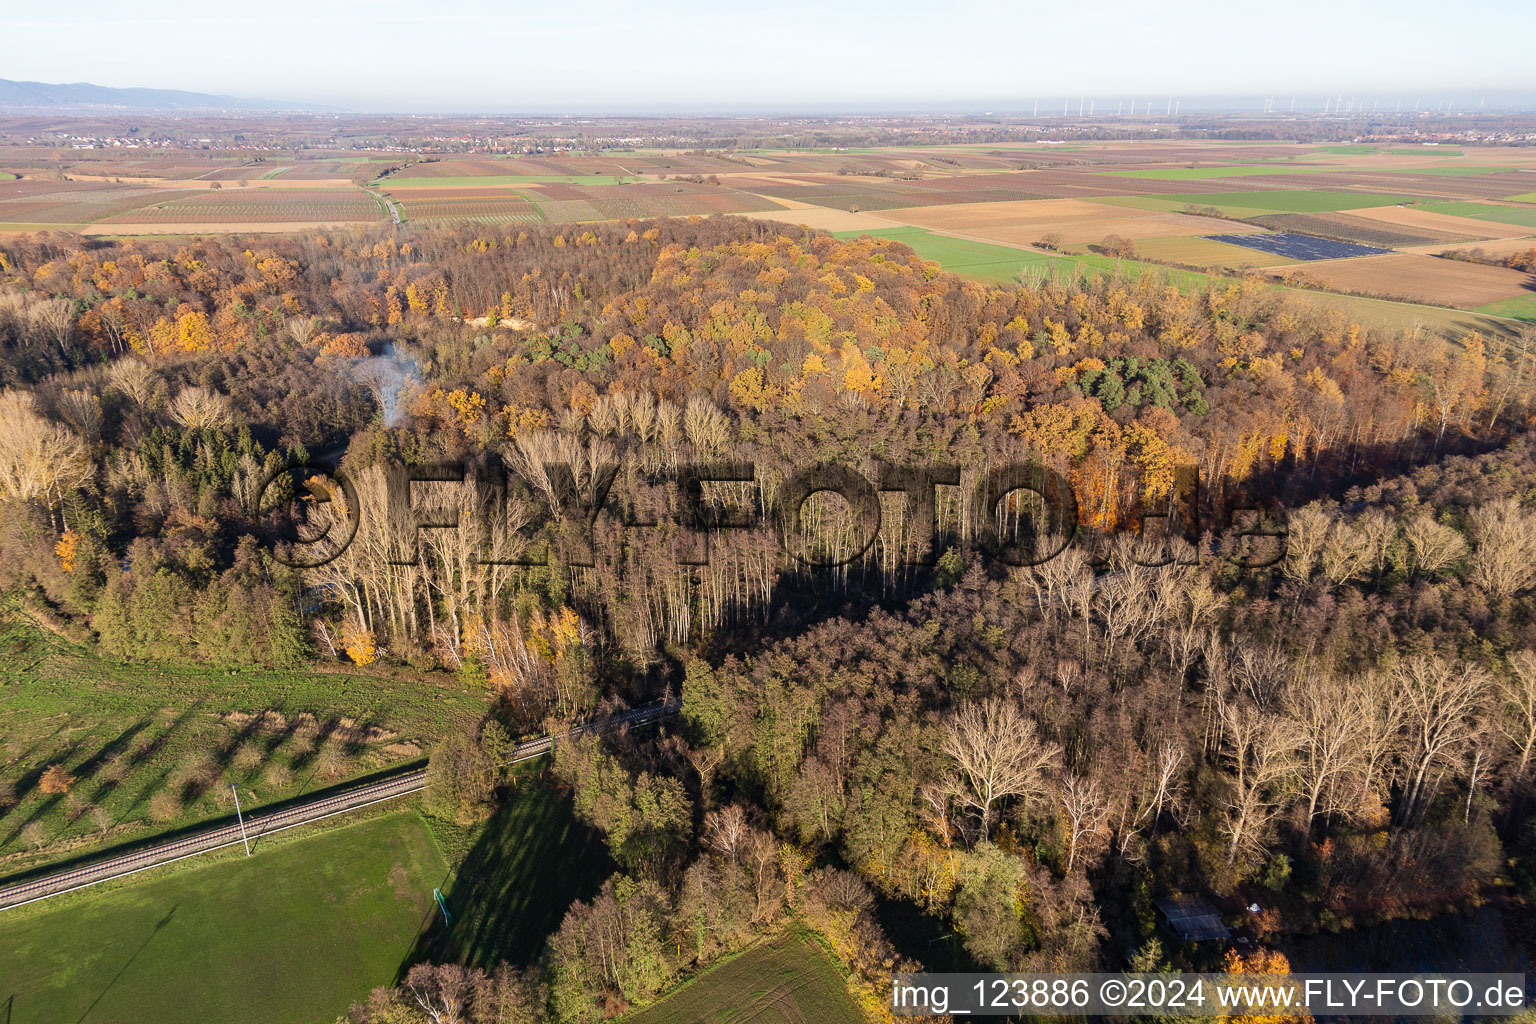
(220, 228)
(1076, 220)
(1407, 216)
(1422, 278)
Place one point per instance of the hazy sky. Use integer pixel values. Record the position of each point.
(429, 55)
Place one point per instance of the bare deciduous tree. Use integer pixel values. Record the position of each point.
(997, 754)
(1434, 545)
(1260, 752)
(39, 460)
(1086, 812)
(1517, 693)
(1330, 750)
(135, 380)
(202, 409)
(1504, 552)
(1440, 701)
(726, 831)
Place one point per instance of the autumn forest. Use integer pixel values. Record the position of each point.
(885, 740)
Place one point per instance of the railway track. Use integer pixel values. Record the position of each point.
(258, 825)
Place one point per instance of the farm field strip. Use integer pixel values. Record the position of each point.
(1295, 201)
(1424, 278)
(1197, 251)
(1076, 220)
(1419, 217)
(284, 205)
(1200, 173)
(502, 179)
(1345, 227)
(1523, 216)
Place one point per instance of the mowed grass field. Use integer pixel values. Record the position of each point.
(1523, 308)
(292, 935)
(154, 748)
(787, 980)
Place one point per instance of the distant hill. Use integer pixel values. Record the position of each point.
(84, 96)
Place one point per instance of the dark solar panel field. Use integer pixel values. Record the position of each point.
(1299, 247)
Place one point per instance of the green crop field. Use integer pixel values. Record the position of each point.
(1348, 150)
(979, 260)
(292, 935)
(1486, 211)
(1287, 201)
(155, 747)
(1193, 173)
(1528, 197)
(1451, 172)
(788, 980)
(1521, 308)
(6, 175)
(472, 181)
(1426, 151)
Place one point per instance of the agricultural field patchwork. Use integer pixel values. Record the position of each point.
(476, 207)
(1200, 173)
(1345, 227)
(983, 208)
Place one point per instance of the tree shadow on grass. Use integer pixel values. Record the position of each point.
(159, 926)
(530, 861)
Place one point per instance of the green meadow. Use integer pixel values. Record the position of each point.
(292, 935)
(786, 980)
(1486, 211)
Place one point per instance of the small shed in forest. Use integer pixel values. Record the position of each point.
(1192, 919)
